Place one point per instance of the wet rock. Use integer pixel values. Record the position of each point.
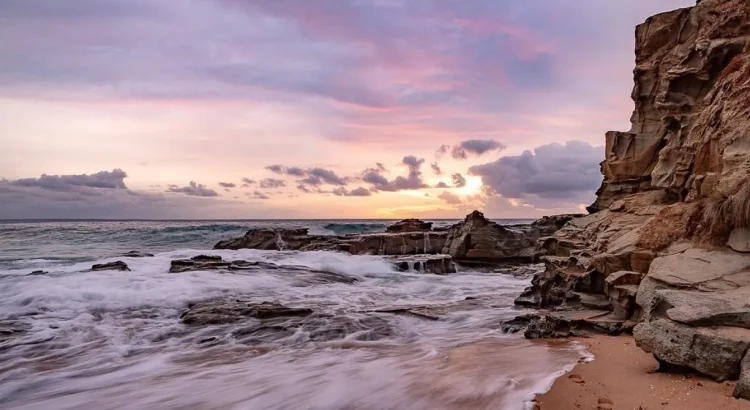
(10, 329)
(229, 311)
(410, 225)
(198, 263)
(206, 258)
(138, 254)
(118, 265)
(562, 324)
(437, 265)
(423, 312)
(38, 273)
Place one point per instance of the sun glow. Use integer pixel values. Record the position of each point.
(473, 186)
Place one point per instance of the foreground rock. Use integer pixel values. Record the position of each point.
(666, 242)
(437, 264)
(562, 324)
(118, 265)
(248, 322)
(216, 263)
(229, 311)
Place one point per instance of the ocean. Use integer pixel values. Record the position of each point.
(73, 338)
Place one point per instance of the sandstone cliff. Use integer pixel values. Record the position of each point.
(666, 243)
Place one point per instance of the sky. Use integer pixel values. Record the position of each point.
(255, 109)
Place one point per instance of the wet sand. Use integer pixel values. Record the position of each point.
(622, 377)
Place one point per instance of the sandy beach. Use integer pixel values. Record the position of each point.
(622, 377)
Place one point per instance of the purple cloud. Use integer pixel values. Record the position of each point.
(194, 189)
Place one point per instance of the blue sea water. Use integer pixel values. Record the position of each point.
(73, 338)
(38, 244)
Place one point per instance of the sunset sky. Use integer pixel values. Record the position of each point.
(310, 108)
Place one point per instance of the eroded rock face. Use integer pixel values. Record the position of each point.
(689, 128)
(665, 238)
(410, 225)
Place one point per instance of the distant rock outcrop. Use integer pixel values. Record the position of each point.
(476, 239)
(479, 239)
(410, 225)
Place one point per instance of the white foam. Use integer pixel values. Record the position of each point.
(114, 340)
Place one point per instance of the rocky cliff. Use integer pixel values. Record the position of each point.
(666, 243)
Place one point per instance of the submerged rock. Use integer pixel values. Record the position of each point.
(118, 265)
(216, 263)
(229, 311)
(138, 254)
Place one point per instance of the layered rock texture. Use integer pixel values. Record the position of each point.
(666, 243)
(474, 240)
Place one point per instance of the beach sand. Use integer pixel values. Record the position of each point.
(622, 377)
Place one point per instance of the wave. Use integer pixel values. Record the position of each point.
(349, 229)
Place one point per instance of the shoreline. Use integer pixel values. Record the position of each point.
(622, 376)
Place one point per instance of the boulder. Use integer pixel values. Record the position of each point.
(409, 225)
(118, 265)
(739, 240)
(742, 388)
(714, 351)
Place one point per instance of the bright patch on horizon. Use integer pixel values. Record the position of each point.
(473, 186)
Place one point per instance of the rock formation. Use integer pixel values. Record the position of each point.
(665, 244)
(410, 225)
(117, 265)
(476, 239)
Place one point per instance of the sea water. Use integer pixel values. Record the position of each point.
(114, 340)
